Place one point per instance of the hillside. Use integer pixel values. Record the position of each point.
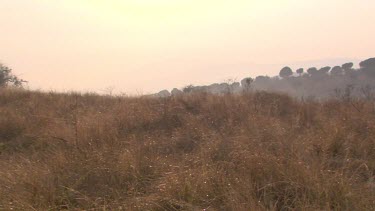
(315, 82)
(196, 151)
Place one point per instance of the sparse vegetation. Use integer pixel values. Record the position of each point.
(195, 151)
(8, 78)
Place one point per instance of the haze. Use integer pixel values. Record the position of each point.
(143, 46)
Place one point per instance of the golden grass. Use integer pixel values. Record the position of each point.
(256, 151)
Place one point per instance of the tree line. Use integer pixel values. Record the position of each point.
(323, 82)
(367, 69)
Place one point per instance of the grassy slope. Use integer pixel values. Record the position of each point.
(249, 152)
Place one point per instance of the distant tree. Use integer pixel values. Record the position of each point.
(368, 63)
(286, 72)
(300, 71)
(337, 70)
(235, 87)
(246, 83)
(262, 78)
(176, 92)
(368, 67)
(347, 66)
(324, 70)
(188, 88)
(164, 93)
(348, 69)
(7, 77)
(312, 71)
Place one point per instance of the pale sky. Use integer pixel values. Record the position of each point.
(143, 46)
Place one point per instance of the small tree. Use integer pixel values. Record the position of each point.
(285, 72)
(188, 89)
(262, 79)
(246, 83)
(300, 71)
(337, 70)
(368, 67)
(324, 70)
(312, 70)
(7, 78)
(368, 63)
(348, 69)
(347, 66)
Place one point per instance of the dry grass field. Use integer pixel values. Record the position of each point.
(252, 151)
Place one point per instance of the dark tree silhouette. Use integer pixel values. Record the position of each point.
(176, 92)
(7, 77)
(368, 63)
(321, 83)
(324, 70)
(262, 78)
(368, 67)
(300, 71)
(285, 72)
(347, 66)
(246, 83)
(312, 71)
(348, 69)
(188, 88)
(336, 70)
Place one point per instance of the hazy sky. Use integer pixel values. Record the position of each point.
(148, 45)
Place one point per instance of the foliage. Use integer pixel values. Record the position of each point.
(347, 66)
(312, 70)
(7, 77)
(368, 67)
(286, 72)
(337, 70)
(246, 83)
(321, 83)
(299, 71)
(324, 70)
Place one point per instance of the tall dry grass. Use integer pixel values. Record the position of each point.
(257, 151)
